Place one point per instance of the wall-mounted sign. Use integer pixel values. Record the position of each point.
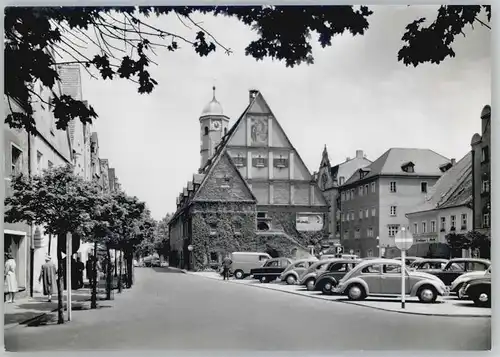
(307, 222)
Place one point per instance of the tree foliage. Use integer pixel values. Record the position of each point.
(58, 200)
(457, 241)
(99, 38)
(433, 43)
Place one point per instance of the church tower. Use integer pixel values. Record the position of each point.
(213, 126)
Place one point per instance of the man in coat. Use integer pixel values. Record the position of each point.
(48, 277)
(226, 265)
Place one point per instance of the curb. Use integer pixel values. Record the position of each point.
(413, 313)
(352, 302)
(35, 318)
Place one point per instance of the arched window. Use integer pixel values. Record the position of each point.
(262, 226)
(206, 130)
(225, 131)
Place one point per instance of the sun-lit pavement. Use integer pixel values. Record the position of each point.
(449, 306)
(167, 310)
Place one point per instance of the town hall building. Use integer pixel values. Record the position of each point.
(252, 192)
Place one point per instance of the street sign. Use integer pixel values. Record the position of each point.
(403, 239)
(339, 250)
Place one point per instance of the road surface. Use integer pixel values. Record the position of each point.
(171, 310)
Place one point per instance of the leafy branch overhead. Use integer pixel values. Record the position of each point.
(120, 42)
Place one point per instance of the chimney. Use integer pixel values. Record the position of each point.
(359, 154)
(453, 161)
(252, 94)
(347, 158)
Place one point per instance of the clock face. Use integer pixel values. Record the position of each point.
(216, 124)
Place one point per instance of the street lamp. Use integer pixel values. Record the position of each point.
(190, 249)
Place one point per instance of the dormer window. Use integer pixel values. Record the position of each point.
(408, 167)
(445, 167)
(363, 172)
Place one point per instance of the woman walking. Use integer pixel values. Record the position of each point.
(10, 277)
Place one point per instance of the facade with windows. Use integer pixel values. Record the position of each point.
(329, 179)
(249, 170)
(16, 158)
(481, 174)
(447, 209)
(387, 189)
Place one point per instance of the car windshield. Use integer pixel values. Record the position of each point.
(456, 266)
(273, 263)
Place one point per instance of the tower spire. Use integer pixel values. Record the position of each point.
(213, 89)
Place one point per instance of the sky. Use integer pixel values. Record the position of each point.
(356, 96)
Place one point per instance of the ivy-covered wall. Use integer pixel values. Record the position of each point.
(222, 227)
(286, 221)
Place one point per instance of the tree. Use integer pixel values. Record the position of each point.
(162, 242)
(38, 39)
(107, 220)
(481, 242)
(129, 229)
(457, 242)
(59, 201)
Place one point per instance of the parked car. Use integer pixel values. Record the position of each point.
(334, 272)
(456, 267)
(271, 270)
(244, 262)
(478, 290)
(425, 264)
(463, 279)
(338, 256)
(309, 277)
(409, 260)
(292, 273)
(383, 277)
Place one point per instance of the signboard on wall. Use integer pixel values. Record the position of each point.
(309, 222)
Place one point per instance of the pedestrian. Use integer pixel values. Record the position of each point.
(48, 277)
(80, 267)
(10, 277)
(89, 269)
(226, 264)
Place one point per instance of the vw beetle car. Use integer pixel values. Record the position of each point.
(308, 279)
(463, 279)
(293, 272)
(336, 271)
(383, 277)
(478, 290)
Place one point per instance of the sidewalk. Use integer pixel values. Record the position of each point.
(445, 306)
(27, 309)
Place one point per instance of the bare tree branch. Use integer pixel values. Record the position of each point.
(228, 50)
(482, 23)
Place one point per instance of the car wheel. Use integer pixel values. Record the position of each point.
(427, 294)
(290, 280)
(263, 279)
(482, 298)
(327, 288)
(238, 274)
(356, 292)
(310, 284)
